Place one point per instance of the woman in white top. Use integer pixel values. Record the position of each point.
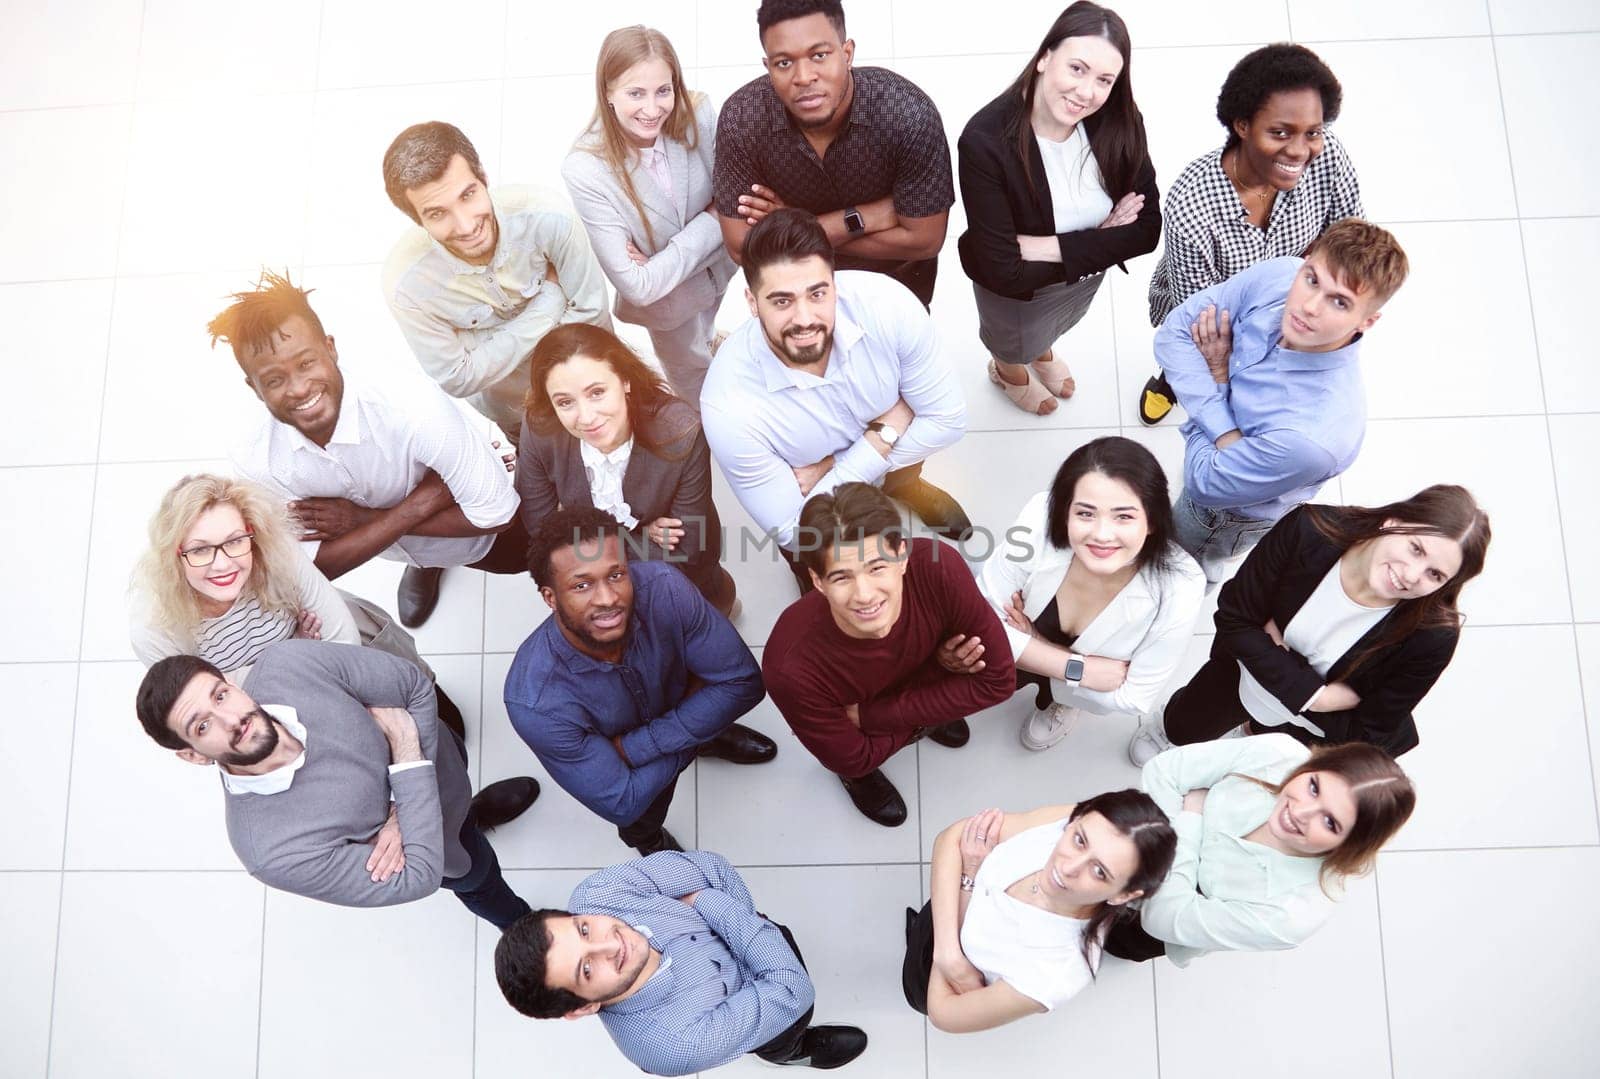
(224, 577)
(1021, 903)
(640, 179)
(1058, 188)
(1097, 600)
(1267, 831)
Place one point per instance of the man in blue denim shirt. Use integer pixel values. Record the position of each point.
(634, 676)
(684, 972)
(1265, 365)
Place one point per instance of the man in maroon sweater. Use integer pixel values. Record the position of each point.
(890, 645)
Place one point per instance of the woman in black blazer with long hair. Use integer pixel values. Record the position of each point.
(1335, 626)
(1058, 187)
(602, 429)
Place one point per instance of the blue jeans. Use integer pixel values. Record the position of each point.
(1214, 536)
(482, 889)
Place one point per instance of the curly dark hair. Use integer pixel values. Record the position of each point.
(772, 12)
(1269, 70)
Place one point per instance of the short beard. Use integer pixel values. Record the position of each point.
(588, 639)
(267, 746)
(804, 357)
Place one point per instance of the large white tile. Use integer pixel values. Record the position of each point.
(60, 196)
(793, 811)
(1341, 968)
(728, 35)
(62, 420)
(47, 603)
(1176, 90)
(1313, 22)
(1470, 791)
(1411, 167)
(529, 31)
(1556, 268)
(169, 393)
(1471, 993)
(349, 217)
(1494, 364)
(233, 203)
(456, 625)
(505, 1042)
(134, 804)
(334, 979)
(392, 42)
(51, 56)
(1544, 17)
(1575, 445)
(29, 903)
(191, 47)
(1589, 670)
(1108, 1029)
(1553, 158)
(857, 975)
(461, 678)
(158, 975)
(1504, 463)
(512, 609)
(1175, 23)
(35, 759)
(560, 831)
(124, 499)
(538, 137)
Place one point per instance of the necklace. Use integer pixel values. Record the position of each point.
(1238, 184)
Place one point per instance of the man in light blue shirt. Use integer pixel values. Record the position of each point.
(1265, 364)
(683, 971)
(838, 378)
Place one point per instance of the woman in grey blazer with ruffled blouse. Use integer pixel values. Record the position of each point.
(640, 178)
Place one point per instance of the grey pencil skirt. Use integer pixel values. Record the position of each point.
(1017, 331)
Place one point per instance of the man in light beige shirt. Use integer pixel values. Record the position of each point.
(487, 274)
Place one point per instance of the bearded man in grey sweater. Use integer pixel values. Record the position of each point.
(339, 782)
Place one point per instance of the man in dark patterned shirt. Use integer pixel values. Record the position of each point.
(862, 148)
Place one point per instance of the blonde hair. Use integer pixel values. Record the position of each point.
(604, 137)
(174, 605)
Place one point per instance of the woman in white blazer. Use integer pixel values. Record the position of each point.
(1097, 600)
(640, 179)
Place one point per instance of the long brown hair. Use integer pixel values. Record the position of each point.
(647, 394)
(604, 136)
(1441, 510)
(1115, 130)
(1384, 801)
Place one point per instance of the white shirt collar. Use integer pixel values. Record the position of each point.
(276, 781)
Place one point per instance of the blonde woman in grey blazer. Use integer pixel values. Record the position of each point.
(640, 178)
(1097, 600)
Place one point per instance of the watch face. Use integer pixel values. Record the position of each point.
(1074, 670)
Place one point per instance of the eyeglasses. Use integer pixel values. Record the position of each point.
(201, 557)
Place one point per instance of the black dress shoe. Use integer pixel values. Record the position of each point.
(739, 744)
(877, 799)
(829, 1047)
(937, 508)
(418, 594)
(504, 800)
(662, 840)
(954, 735)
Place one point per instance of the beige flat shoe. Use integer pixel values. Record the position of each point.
(1031, 396)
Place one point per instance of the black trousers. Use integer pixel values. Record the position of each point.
(648, 826)
(1209, 707)
(788, 1045)
(1128, 940)
(918, 965)
(918, 275)
(509, 553)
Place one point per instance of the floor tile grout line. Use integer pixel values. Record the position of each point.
(261, 983)
(1550, 447)
(1383, 966)
(83, 610)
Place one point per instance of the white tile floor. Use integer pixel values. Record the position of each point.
(159, 152)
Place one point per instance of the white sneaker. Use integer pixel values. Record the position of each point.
(1047, 726)
(1148, 741)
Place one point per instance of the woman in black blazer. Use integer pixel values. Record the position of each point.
(1058, 187)
(600, 428)
(1335, 626)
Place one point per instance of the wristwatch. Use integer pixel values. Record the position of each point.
(1074, 672)
(889, 435)
(854, 223)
